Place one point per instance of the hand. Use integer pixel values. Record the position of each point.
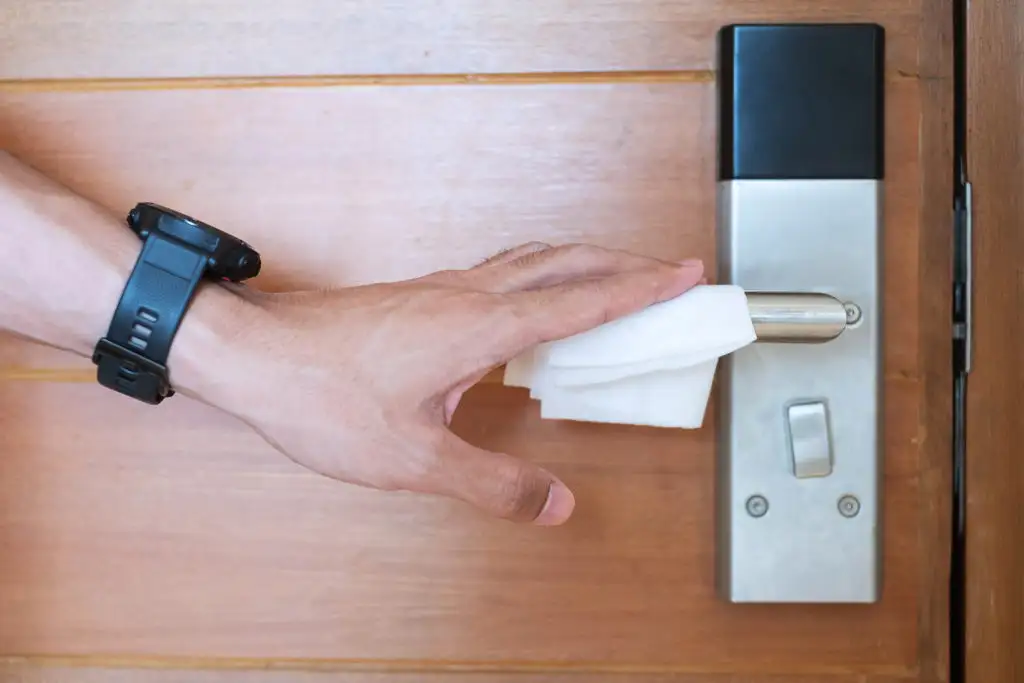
(360, 384)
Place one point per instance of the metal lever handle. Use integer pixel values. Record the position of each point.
(807, 318)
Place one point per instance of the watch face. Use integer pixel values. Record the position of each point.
(229, 257)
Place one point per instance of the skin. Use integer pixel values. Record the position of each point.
(322, 396)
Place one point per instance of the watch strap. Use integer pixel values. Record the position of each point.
(132, 358)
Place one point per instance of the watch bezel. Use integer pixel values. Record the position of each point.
(228, 257)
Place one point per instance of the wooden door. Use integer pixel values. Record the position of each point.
(361, 141)
(994, 588)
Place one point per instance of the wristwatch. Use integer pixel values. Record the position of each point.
(178, 253)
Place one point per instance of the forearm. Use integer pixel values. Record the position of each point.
(63, 264)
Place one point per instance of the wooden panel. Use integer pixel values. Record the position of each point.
(935, 434)
(18, 673)
(386, 183)
(995, 393)
(185, 535)
(124, 38)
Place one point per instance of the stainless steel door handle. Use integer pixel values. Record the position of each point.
(799, 225)
(802, 318)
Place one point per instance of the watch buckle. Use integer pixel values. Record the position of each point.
(130, 373)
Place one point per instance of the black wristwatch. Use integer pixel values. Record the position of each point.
(178, 253)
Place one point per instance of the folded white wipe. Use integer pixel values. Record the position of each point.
(653, 368)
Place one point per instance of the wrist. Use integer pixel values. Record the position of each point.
(68, 266)
(204, 360)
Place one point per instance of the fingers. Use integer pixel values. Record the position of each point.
(555, 265)
(502, 486)
(569, 308)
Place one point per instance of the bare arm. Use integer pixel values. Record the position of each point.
(323, 395)
(63, 263)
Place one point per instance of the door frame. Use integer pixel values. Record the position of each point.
(992, 587)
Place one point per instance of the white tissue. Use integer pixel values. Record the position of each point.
(653, 368)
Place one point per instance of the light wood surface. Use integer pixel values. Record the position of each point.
(212, 545)
(27, 673)
(177, 537)
(185, 535)
(995, 429)
(124, 39)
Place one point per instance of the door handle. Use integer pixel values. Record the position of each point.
(803, 317)
(799, 228)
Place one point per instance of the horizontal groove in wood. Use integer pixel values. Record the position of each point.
(435, 666)
(356, 80)
(205, 83)
(46, 38)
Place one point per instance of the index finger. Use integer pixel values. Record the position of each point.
(569, 308)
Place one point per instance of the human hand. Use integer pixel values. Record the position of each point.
(361, 383)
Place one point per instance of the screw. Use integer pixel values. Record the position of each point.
(757, 506)
(853, 313)
(849, 506)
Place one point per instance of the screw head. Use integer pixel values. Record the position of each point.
(757, 506)
(853, 313)
(849, 506)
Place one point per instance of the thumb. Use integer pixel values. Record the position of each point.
(503, 486)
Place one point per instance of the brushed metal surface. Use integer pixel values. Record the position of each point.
(809, 441)
(813, 237)
(796, 317)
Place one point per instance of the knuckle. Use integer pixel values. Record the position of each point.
(500, 255)
(530, 258)
(519, 497)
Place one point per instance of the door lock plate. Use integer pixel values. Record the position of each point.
(800, 210)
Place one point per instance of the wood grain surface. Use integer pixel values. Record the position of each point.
(127, 39)
(27, 673)
(936, 367)
(177, 538)
(995, 429)
(185, 535)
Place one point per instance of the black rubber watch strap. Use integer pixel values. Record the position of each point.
(132, 358)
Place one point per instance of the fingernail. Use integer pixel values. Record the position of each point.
(692, 262)
(558, 506)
